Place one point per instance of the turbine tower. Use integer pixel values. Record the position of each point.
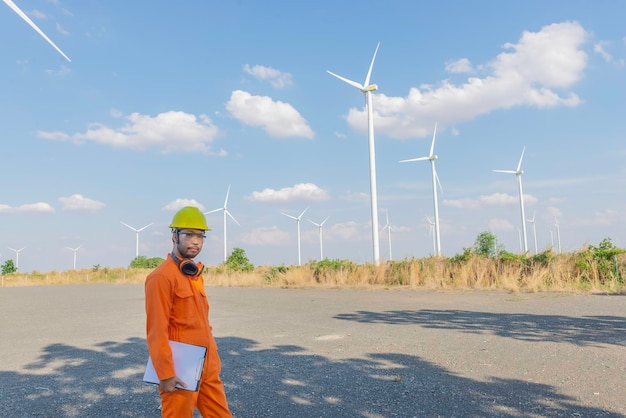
(75, 250)
(518, 173)
(366, 88)
(137, 231)
(389, 229)
(558, 233)
(431, 233)
(17, 257)
(298, 221)
(21, 14)
(432, 157)
(533, 221)
(226, 212)
(319, 226)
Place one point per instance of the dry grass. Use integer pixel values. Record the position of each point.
(562, 273)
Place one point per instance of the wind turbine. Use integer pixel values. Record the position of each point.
(17, 257)
(558, 233)
(519, 173)
(319, 226)
(366, 88)
(431, 233)
(226, 212)
(298, 221)
(431, 157)
(137, 231)
(21, 14)
(75, 250)
(389, 229)
(533, 221)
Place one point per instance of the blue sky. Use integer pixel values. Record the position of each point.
(164, 105)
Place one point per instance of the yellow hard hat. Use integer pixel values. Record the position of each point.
(189, 217)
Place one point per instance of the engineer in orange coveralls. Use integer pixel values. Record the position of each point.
(177, 309)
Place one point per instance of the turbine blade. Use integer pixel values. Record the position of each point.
(141, 229)
(324, 221)
(21, 14)
(231, 216)
(289, 216)
(128, 226)
(437, 179)
(519, 165)
(345, 80)
(316, 224)
(432, 145)
(213, 211)
(227, 192)
(300, 217)
(415, 159)
(505, 171)
(369, 72)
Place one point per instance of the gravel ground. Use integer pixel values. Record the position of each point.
(79, 351)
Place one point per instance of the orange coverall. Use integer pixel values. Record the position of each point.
(177, 309)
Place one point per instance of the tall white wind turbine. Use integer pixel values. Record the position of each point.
(432, 157)
(558, 233)
(298, 221)
(431, 232)
(137, 231)
(518, 173)
(226, 212)
(366, 88)
(319, 226)
(21, 14)
(533, 222)
(389, 228)
(17, 256)
(75, 250)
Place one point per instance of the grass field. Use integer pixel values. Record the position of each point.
(581, 271)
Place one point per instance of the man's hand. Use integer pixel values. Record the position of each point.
(169, 385)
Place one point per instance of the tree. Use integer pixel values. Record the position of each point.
(238, 261)
(8, 267)
(142, 262)
(486, 245)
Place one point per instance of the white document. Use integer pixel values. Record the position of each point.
(188, 364)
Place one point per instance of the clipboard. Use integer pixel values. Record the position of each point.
(188, 365)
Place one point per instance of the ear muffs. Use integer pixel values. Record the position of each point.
(188, 267)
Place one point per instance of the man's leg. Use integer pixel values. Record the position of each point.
(211, 400)
(178, 404)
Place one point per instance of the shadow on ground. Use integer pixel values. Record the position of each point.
(282, 381)
(585, 331)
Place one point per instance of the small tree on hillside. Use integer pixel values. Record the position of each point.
(8, 267)
(486, 245)
(238, 261)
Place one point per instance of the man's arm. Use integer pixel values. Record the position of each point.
(159, 293)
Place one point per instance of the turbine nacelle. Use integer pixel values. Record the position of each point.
(371, 87)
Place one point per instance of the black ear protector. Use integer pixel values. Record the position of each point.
(188, 267)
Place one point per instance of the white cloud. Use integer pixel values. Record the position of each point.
(277, 78)
(171, 131)
(39, 207)
(500, 225)
(348, 231)
(265, 236)
(181, 203)
(462, 65)
(79, 202)
(301, 191)
(538, 71)
(278, 119)
(488, 200)
(599, 48)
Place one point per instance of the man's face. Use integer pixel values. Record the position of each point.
(189, 242)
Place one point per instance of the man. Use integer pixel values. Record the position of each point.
(177, 309)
